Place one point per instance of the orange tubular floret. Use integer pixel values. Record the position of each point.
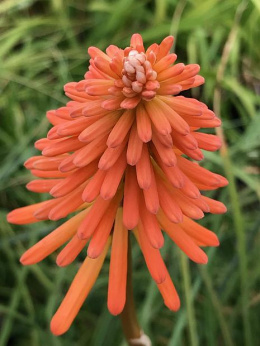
(99, 127)
(90, 152)
(198, 232)
(166, 154)
(169, 293)
(165, 140)
(67, 204)
(143, 169)
(197, 81)
(151, 197)
(114, 50)
(77, 293)
(137, 41)
(48, 163)
(177, 123)
(98, 90)
(207, 142)
(188, 206)
(93, 218)
(72, 128)
(52, 117)
(48, 174)
(152, 256)
(130, 103)
(42, 185)
(103, 65)
(120, 155)
(153, 47)
(165, 75)
(184, 142)
(158, 118)
(188, 72)
(67, 165)
(25, 215)
(62, 147)
(43, 212)
(53, 134)
(113, 178)
(184, 242)
(170, 89)
(199, 174)
(190, 189)
(44, 142)
(164, 47)
(74, 93)
(173, 173)
(215, 207)
(144, 127)
(131, 199)
(74, 180)
(111, 155)
(71, 251)
(118, 267)
(151, 227)
(134, 148)
(91, 109)
(120, 130)
(63, 113)
(29, 163)
(93, 187)
(183, 106)
(53, 241)
(168, 202)
(95, 52)
(165, 62)
(103, 230)
(112, 103)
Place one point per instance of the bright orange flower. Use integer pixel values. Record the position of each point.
(117, 156)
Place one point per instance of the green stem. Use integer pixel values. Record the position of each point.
(239, 227)
(217, 306)
(189, 300)
(228, 168)
(160, 11)
(128, 316)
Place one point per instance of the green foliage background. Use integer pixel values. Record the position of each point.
(43, 45)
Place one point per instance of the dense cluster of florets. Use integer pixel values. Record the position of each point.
(117, 155)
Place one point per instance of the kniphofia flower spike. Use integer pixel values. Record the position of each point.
(117, 157)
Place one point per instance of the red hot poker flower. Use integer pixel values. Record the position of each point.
(117, 157)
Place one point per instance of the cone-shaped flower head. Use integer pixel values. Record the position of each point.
(118, 157)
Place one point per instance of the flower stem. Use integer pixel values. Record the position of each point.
(189, 300)
(239, 223)
(132, 331)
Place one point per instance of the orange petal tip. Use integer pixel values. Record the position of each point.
(81, 235)
(203, 259)
(14, 217)
(115, 309)
(59, 262)
(28, 163)
(23, 259)
(224, 181)
(160, 278)
(216, 243)
(9, 217)
(92, 253)
(58, 327)
(158, 244)
(169, 38)
(174, 305)
(130, 224)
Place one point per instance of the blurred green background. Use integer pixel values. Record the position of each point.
(43, 45)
